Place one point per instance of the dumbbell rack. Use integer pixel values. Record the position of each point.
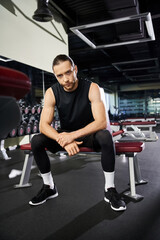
(26, 129)
(29, 121)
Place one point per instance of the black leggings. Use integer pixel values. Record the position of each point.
(99, 141)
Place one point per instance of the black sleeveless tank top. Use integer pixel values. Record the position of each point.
(74, 108)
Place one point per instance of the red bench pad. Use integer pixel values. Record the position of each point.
(128, 147)
(133, 123)
(83, 149)
(25, 146)
(121, 147)
(139, 123)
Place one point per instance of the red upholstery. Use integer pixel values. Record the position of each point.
(117, 133)
(25, 146)
(86, 149)
(82, 149)
(139, 123)
(140, 119)
(115, 123)
(127, 147)
(13, 83)
(121, 147)
(133, 123)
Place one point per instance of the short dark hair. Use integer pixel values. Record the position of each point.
(62, 58)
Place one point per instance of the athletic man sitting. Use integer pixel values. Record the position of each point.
(83, 123)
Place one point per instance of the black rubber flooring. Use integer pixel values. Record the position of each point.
(79, 212)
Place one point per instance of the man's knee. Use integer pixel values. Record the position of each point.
(104, 134)
(105, 138)
(36, 141)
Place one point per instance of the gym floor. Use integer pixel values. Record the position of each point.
(79, 212)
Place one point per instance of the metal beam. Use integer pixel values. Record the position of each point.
(146, 17)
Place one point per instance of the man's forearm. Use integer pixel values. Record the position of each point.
(65, 138)
(49, 131)
(89, 129)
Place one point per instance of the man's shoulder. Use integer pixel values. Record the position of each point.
(87, 81)
(55, 87)
(84, 81)
(55, 84)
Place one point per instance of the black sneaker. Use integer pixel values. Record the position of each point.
(112, 197)
(43, 195)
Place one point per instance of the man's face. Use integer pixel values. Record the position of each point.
(66, 75)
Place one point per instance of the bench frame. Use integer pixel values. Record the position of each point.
(135, 177)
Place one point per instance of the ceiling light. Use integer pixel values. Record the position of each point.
(146, 17)
(143, 64)
(42, 14)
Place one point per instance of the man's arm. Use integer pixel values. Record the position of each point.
(47, 116)
(99, 115)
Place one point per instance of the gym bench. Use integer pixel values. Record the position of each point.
(134, 130)
(129, 149)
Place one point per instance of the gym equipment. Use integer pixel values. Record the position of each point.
(139, 130)
(33, 110)
(22, 129)
(29, 128)
(27, 110)
(29, 122)
(39, 109)
(129, 149)
(35, 127)
(146, 125)
(24, 180)
(13, 83)
(13, 133)
(3, 151)
(138, 119)
(10, 116)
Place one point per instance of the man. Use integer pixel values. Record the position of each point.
(83, 123)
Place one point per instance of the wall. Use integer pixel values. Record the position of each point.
(28, 41)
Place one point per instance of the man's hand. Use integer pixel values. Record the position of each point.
(72, 148)
(64, 138)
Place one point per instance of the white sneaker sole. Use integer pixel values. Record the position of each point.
(115, 209)
(36, 204)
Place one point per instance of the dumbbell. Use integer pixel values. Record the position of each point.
(39, 109)
(27, 109)
(34, 124)
(29, 128)
(22, 128)
(35, 127)
(13, 133)
(34, 109)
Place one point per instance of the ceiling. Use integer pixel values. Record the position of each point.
(122, 53)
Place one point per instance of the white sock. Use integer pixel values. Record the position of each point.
(48, 179)
(109, 180)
